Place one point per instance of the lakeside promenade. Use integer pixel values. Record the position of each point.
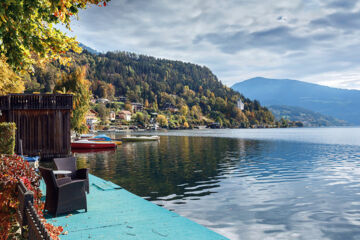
(114, 213)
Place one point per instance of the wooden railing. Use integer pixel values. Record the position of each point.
(36, 101)
(27, 215)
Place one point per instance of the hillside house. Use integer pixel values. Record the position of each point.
(240, 104)
(169, 107)
(102, 100)
(125, 115)
(137, 107)
(112, 116)
(91, 118)
(122, 99)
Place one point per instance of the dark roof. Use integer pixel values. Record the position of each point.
(36, 101)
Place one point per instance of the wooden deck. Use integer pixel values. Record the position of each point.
(114, 213)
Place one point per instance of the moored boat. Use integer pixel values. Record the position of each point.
(105, 138)
(85, 136)
(86, 144)
(140, 138)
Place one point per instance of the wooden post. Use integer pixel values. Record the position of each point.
(21, 148)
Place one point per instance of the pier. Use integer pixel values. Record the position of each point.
(114, 213)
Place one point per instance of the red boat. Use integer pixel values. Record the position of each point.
(85, 144)
(93, 150)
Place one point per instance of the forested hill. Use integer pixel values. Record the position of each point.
(158, 83)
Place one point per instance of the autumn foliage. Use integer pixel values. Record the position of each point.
(13, 169)
(28, 34)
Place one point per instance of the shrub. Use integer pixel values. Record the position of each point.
(12, 169)
(7, 138)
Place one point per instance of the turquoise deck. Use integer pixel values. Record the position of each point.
(114, 213)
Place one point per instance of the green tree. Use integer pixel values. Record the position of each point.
(76, 84)
(139, 118)
(103, 113)
(27, 32)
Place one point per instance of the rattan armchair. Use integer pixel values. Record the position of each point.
(63, 195)
(69, 164)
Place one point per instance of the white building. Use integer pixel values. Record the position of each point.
(112, 116)
(240, 104)
(91, 118)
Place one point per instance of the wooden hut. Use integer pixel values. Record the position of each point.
(42, 121)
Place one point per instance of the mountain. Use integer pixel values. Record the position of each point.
(159, 84)
(307, 117)
(338, 103)
(89, 49)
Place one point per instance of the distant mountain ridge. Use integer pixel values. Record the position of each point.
(307, 117)
(338, 103)
(89, 49)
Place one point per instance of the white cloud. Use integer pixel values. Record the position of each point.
(316, 40)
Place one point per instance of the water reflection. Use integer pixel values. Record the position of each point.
(244, 189)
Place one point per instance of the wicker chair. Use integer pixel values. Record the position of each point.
(63, 195)
(69, 164)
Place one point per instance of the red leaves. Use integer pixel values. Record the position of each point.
(12, 169)
(104, 4)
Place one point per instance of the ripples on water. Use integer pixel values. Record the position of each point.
(244, 189)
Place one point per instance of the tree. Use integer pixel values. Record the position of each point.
(9, 81)
(140, 118)
(184, 110)
(196, 111)
(103, 112)
(128, 107)
(27, 33)
(146, 104)
(161, 119)
(76, 84)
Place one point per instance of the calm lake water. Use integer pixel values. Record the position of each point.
(245, 183)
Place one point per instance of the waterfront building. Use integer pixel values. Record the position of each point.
(42, 122)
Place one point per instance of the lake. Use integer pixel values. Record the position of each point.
(247, 183)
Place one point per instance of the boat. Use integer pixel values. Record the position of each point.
(93, 150)
(85, 136)
(33, 161)
(105, 138)
(86, 144)
(140, 138)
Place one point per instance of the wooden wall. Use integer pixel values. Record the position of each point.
(42, 131)
(42, 121)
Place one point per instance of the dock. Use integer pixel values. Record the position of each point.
(115, 213)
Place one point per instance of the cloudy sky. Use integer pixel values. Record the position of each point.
(311, 40)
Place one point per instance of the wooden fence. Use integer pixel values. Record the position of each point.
(27, 215)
